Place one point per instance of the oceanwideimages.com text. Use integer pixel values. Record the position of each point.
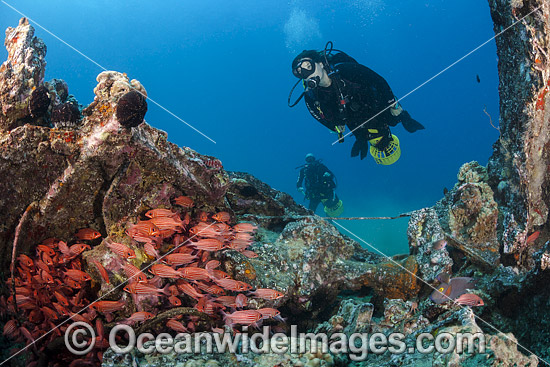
(357, 345)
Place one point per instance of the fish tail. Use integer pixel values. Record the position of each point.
(165, 290)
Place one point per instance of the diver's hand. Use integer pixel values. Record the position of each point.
(384, 142)
(326, 175)
(301, 189)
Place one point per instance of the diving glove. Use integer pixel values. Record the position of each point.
(396, 109)
(340, 129)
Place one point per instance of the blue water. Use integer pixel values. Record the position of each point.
(224, 67)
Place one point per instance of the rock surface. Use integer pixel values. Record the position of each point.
(518, 170)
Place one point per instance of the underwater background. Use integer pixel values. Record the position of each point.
(225, 69)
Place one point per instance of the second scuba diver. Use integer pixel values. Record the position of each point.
(340, 92)
(317, 183)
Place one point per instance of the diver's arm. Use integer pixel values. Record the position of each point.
(300, 178)
(310, 104)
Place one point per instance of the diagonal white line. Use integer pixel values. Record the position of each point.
(106, 294)
(429, 285)
(441, 72)
(104, 69)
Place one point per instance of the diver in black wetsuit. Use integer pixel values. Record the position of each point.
(341, 92)
(319, 187)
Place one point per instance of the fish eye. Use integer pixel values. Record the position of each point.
(441, 289)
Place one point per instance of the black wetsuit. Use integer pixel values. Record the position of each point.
(366, 94)
(318, 186)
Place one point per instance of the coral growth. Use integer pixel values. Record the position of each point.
(473, 215)
(39, 102)
(65, 115)
(423, 232)
(394, 279)
(468, 215)
(131, 109)
(20, 74)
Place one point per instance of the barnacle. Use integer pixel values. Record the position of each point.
(131, 109)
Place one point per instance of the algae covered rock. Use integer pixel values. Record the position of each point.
(21, 75)
(423, 232)
(468, 215)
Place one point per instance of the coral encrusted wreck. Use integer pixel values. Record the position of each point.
(92, 195)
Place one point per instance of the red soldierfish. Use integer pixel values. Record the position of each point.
(241, 300)
(222, 217)
(176, 326)
(193, 273)
(532, 237)
(267, 294)
(146, 228)
(174, 301)
(438, 245)
(244, 227)
(65, 250)
(46, 249)
(243, 236)
(179, 259)
(78, 248)
(139, 317)
(188, 289)
(246, 317)
(164, 271)
(121, 250)
(239, 245)
(210, 288)
(87, 234)
(249, 254)
(10, 329)
(24, 259)
(268, 313)
(134, 273)
(167, 223)
(78, 275)
(469, 299)
(107, 306)
(140, 288)
(101, 270)
(218, 274)
(184, 201)
(208, 244)
(150, 250)
(61, 298)
(153, 213)
(231, 284)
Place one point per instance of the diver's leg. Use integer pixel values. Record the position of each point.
(314, 203)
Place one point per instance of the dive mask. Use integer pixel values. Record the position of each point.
(304, 68)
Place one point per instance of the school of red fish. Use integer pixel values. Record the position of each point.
(51, 286)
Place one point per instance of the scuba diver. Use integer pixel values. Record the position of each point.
(319, 184)
(340, 92)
